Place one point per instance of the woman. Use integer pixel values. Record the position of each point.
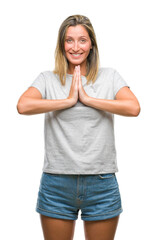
(79, 100)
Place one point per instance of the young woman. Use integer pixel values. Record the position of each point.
(79, 100)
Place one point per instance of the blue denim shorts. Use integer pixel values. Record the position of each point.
(62, 196)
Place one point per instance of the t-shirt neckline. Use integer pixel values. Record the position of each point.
(72, 75)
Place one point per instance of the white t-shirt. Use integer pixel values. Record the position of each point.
(80, 139)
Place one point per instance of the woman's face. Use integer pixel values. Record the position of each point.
(77, 45)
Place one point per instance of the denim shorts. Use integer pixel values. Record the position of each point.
(63, 195)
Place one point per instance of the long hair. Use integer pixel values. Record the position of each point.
(61, 62)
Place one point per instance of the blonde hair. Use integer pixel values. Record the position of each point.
(61, 62)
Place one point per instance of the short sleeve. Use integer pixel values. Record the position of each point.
(118, 82)
(39, 83)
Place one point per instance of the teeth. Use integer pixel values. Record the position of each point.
(76, 54)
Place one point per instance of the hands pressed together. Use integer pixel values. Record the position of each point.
(77, 91)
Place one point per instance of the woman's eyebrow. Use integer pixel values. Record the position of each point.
(79, 37)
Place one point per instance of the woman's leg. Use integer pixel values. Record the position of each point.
(101, 229)
(57, 229)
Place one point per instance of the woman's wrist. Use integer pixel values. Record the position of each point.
(70, 102)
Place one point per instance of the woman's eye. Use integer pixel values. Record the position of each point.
(68, 40)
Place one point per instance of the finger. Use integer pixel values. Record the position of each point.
(77, 77)
(74, 75)
(78, 68)
(79, 71)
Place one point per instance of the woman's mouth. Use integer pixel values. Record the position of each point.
(76, 55)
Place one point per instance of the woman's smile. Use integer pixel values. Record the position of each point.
(77, 46)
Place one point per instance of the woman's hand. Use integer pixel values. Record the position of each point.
(76, 90)
(73, 94)
(82, 94)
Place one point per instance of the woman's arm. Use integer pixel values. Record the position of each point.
(126, 104)
(31, 102)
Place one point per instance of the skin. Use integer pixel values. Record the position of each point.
(77, 40)
(31, 102)
(61, 229)
(55, 229)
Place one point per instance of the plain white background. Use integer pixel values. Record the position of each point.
(126, 36)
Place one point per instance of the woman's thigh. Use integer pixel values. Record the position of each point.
(57, 229)
(101, 229)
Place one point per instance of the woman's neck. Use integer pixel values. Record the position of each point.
(82, 69)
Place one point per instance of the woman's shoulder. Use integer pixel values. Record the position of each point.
(106, 69)
(49, 75)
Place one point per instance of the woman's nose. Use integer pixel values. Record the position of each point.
(75, 46)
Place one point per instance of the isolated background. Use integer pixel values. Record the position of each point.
(127, 41)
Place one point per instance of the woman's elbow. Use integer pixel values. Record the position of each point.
(19, 108)
(136, 110)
